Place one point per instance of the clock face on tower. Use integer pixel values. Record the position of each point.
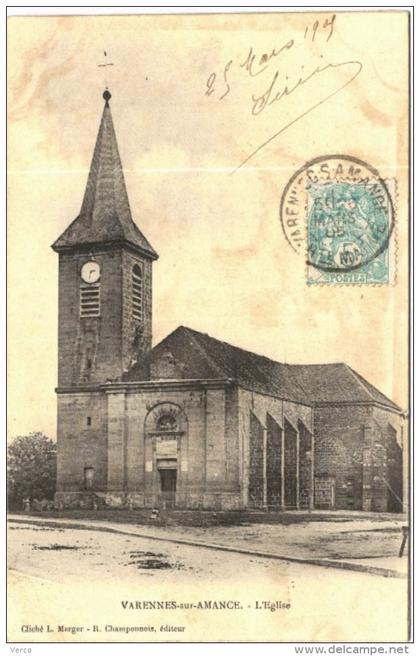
(90, 272)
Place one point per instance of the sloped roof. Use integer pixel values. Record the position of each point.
(250, 370)
(335, 383)
(207, 357)
(105, 216)
(195, 363)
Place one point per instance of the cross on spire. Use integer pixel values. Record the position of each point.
(107, 63)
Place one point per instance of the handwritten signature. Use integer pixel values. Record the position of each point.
(280, 87)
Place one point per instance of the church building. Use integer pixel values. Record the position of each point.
(195, 422)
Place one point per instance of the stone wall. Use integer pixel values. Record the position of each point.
(357, 446)
(269, 423)
(256, 463)
(393, 432)
(95, 349)
(324, 492)
(275, 459)
(236, 449)
(306, 472)
(89, 348)
(339, 441)
(291, 468)
(82, 441)
(121, 445)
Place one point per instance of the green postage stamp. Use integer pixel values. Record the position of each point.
(343, 212)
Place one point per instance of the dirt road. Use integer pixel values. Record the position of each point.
(108, 585)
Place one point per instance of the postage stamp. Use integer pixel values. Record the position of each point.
(340, 212)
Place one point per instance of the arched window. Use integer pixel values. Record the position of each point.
(166, 422)
(137, 292)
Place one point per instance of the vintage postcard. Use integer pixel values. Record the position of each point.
(208, 252)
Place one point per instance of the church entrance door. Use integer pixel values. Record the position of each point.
(168, 486)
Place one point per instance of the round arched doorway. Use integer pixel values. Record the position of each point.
(165, 443)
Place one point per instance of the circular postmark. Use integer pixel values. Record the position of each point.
(339, 211)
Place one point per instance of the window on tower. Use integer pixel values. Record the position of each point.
(90, 299)
(137, 292)
(88, 477)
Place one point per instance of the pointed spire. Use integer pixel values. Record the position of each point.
(105, 216)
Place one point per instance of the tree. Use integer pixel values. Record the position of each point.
(31, 469)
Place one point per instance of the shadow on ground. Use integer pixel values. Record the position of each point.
(202, 518)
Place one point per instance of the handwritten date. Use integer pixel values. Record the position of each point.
(281, 83)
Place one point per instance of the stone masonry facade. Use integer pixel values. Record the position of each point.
(231, 448)
(93, 350)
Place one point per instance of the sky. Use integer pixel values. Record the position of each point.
(192, 98)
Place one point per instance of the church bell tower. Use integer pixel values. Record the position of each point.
(105, 276)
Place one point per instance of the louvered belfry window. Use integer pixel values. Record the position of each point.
(90, 299)
(137, 295)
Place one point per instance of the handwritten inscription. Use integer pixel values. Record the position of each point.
(281, 83)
